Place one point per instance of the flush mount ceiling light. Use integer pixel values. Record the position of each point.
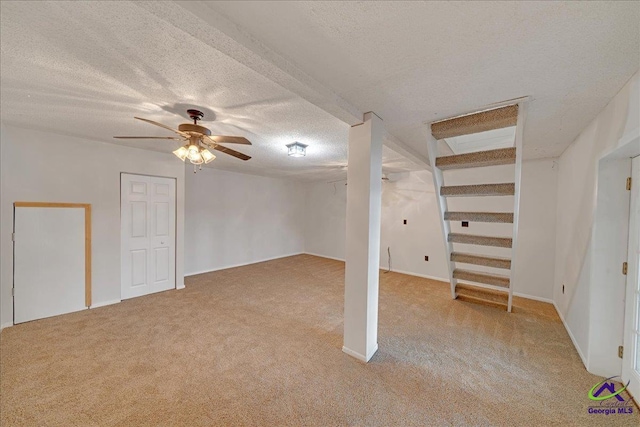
(297, 150)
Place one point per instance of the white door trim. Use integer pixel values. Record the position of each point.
(631, 373)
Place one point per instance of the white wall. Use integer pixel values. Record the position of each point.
(235, 219)
(413, 198)
(45, 167)
(577, 190)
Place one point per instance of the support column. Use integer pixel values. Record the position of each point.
(364, 178)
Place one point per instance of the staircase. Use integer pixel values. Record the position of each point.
(494, 284)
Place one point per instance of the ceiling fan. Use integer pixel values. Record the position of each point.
(197, 140)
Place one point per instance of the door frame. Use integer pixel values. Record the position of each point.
(175, 224)
(631, 303)
(87, 239)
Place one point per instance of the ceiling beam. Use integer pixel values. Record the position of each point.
(200, 20)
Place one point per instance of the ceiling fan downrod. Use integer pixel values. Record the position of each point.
(195, 115)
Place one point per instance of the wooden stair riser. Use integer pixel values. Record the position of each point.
(481, 260)
(503, 156)
(476, 295)
(469, 239)
(483, 121)
(478, 190)
(489, 279)
(498, 217)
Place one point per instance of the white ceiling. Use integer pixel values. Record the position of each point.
(278, 72)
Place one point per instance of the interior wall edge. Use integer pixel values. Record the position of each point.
(573, 340)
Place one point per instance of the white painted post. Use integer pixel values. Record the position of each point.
(364, 204)
(438, 181)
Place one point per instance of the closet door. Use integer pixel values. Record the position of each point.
(49, 262)
(148, 206)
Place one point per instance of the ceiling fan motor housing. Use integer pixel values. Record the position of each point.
(188, 127)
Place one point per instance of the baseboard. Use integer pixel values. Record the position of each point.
(242, 264)
(324, 256)
(105, 303)
(533, 297)
(6, 325)
(573, 340)
(424, 276)
(178, 287)
(360, 356)
(441, 279)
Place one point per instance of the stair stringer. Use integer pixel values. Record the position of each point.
(438, 181)
(522, 114)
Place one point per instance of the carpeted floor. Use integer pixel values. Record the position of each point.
(261, 345)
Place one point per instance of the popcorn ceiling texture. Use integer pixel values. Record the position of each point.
(85, 68)
(261, 346)
(417, 62)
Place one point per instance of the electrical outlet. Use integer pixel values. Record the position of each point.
(426, 257)
(405, 222)
(465, 223)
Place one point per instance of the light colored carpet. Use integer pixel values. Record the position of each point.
(261, 345)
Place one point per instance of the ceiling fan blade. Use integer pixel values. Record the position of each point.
(148, 137)
(163, 126)
(231, 152)
(230, 139)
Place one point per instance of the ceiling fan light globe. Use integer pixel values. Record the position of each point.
(193, 152)
(181, 153)
(197, 160)
(207, 156)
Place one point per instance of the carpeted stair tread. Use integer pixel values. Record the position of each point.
(502, 156)
(500, 242)
(504, 189)
(478, 122)
(487, 261)
(486, 278)
(476, 295)
(479, 216)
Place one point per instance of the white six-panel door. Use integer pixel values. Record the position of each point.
(148, 219)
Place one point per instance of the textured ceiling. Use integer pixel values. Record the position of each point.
(282, 71)
(416, 62)
(86, 68)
